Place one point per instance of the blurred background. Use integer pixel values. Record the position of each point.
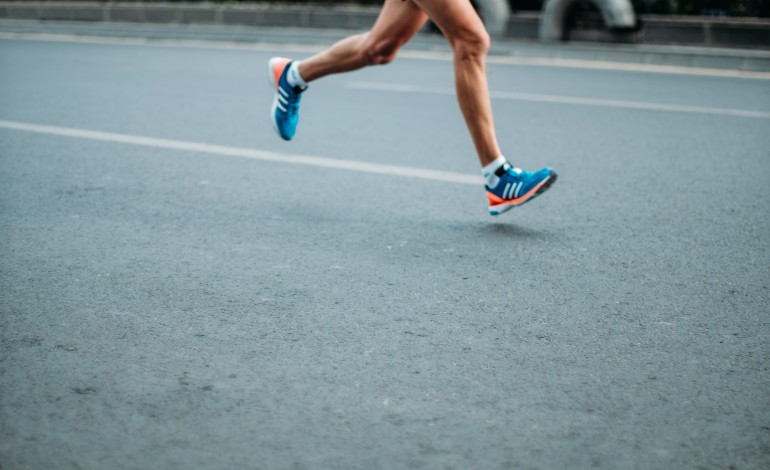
(721, 8)
(721, 23)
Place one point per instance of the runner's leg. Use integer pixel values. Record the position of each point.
(469, 39)
(399, 20)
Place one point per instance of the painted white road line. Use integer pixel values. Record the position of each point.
(254, 154)
(594, 65)
(404, 54)
(157, 42)
(557, 99)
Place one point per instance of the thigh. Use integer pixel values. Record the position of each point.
(457, 19)
(399, 20)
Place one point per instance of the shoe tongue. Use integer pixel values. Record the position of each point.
(507, 167)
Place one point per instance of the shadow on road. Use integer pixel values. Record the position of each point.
(509, 230)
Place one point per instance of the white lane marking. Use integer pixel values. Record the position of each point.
(265, 155)
(405, 54)
(186, 43)
(558, 99)
(625, 67)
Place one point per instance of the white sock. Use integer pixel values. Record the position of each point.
(293, 76)
(489, 171)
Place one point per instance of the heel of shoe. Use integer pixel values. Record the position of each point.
(272, 76)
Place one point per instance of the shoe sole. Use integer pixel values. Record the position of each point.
(543, 187)
(274, 86)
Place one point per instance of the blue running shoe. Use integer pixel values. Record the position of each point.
(516, 187)
(285, 109)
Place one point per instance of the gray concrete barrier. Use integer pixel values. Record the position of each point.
(337, 17)
(725, 32)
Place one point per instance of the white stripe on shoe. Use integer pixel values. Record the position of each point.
(505, 191)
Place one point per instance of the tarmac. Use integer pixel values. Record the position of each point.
(179, 288)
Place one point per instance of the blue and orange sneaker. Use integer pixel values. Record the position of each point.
(285, 109)
(516, 187)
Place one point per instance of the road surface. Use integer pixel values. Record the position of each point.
(182, 289)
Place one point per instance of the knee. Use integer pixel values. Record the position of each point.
(379, 51)
(472, 45)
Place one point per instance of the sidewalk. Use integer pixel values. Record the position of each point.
(745, 60)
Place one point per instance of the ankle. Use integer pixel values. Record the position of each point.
(294, 77)
(490, 171)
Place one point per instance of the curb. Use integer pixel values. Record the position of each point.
(245, 30)
(345, 17)
(742, 61)
(651, 29)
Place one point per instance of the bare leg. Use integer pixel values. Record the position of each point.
(398, 21)
(469, 39)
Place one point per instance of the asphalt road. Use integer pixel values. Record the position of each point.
(171, 307)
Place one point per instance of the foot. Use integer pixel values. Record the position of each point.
(285, 109)
(516, 187)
